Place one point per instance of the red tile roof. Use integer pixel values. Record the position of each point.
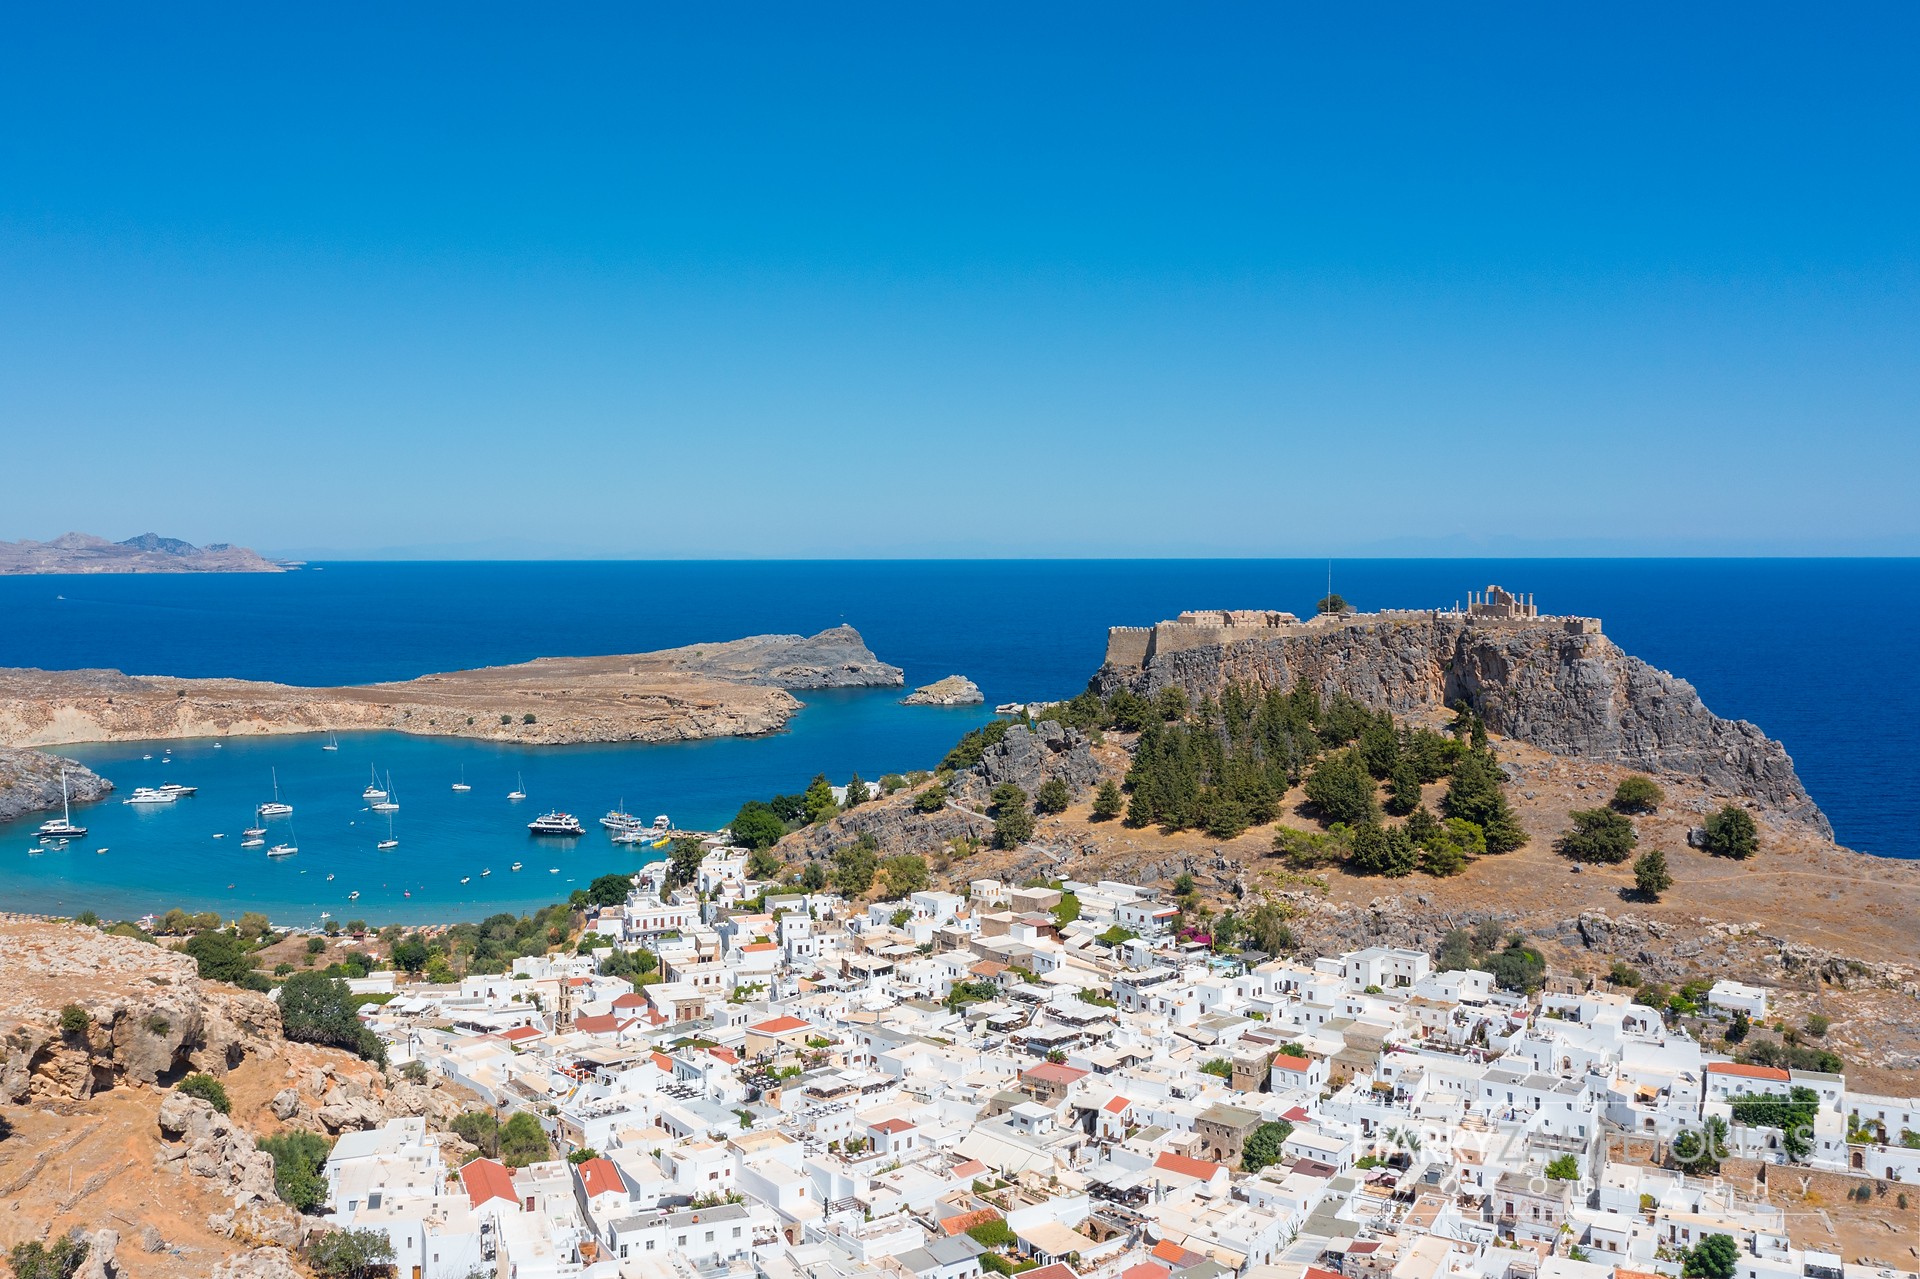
(600, 1177)
(1053, 1072)
(892, 1126)
(778, 1026)
(664, 1062)
(1058, 1270)
(1116, 1105)
(724, 1054)
(1745, 1071)
(1146, 1270)
(959, 1223)
(1287, 1062)
(760, 946)
(1168, 1250)
(485, 1179)
(519, 1033)
(1315, 1272)
(630, 1000)
(1298, 1115)
(1186, 1167)
(605, 1024)
(971, 1168)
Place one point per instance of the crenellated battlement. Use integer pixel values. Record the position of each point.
(1133, 647)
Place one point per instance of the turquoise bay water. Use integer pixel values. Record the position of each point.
(1816, 652)
(160, 856)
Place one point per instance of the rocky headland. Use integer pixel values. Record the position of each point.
(954, 690)
(1556, 683)
(147, 553)
(30, 782)
(735, 688)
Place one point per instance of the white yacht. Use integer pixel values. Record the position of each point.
(274, 808)
(516, 866)
(373, 791)
(556, 823)
(148, 795)
(176, 790)
(389, 841)
(333, 743)
(253, 841)
(386, 803)
(283, 850)
(462, 783)
(519, 790)
(62, 827)
(633, 835)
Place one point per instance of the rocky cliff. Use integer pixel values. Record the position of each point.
(147, 553)
(1573, 694)
(30, 783)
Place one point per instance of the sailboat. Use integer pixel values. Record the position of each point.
(333, 743)
(386, 803)
(389, 841)
(462, 783)
(62, 827)
(519, 790)
(276, 808)
(373, 790)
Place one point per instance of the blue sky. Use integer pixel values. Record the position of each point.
(951, 280)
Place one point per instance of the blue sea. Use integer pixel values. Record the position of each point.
(1817, 652)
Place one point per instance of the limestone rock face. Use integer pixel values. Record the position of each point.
(30, 783)
(260, 1263)
(1029, 757)
(954, 690)
(204, 1143)
(1573, 694)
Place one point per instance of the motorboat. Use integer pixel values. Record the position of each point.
(273, 807)
(219, 834)
(632, 835)
(373, 791)
(515, 866)
(148, 795)
(283, 850)
(354, 896)
(556, 823)
(176, 790)
(662, 824)
(485, 873)
(62, 827)
(466, 879)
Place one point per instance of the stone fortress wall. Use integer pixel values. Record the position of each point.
(1133, 647)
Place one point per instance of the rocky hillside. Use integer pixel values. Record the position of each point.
(147, 553)
(733, 688)
(1576, 695)
(162, 1183)
(30, 783)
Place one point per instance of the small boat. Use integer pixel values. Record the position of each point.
(99, 850)
(176, 790)
(556, 823)
(373, 791)
(219, 834)
(146, 757)
(553, 870)
(354, 896)
(251, 831)
(462, 783)
(485, 873)
(216, 746)
(333, 743)
(62, 827)
(406, 892)
(147, 795)
(254, 842)
(516, 866)
(283, 850)
(273, 807)
(327, 914)
(466, 879)
(389, 841)
(632, 835)
(663, 823)
(519, 790)
(323, 914)
(662, 842)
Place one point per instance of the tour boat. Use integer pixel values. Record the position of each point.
(176, 790)
(333, 743)
(619, 818)
(274, 808)
(462, 783)
(147, 795)
(373, 791)
(556, 823)
(386, 803)
(62, 827)
(519, 790)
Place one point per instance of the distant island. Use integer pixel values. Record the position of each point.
(735, 688)
(147, 553)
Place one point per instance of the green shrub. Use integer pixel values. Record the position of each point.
(1650, 874)
(74, 1020)
(1598, 835)
(350, 1254)
(298, 1157)
(1052, 797)
(1732, 833)
(930, 800)
(57, 1260)
(1638, 794)
(207, 1089)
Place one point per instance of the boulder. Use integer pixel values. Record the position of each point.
(259, 1263)
(1029, 757)
(99, 1263)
